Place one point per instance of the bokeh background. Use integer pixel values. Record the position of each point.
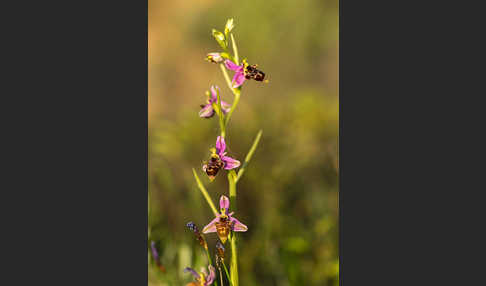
(288, 196)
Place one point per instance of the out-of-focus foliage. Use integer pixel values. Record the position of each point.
(288, 196)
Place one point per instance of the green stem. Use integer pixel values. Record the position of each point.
(234, 253)
(205, 193)
(226, 77)
(209, 256)
(232, 189)
(235, 49)
(249, 155)
(233, 106)
(221, 117)
(234, 261)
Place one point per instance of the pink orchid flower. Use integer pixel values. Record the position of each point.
(219, 160)
(202, 279)
(224, 221)
(207, 110)
(239, 77)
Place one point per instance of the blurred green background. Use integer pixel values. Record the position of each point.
(288, 196)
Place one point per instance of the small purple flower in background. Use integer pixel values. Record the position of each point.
(239, 76)
(215, 58)
(207, 110)
(198, 235)
(219, 160)
(224, 222)
(203, 279)
(155, 256)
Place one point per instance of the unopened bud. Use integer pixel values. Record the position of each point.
(215, 58)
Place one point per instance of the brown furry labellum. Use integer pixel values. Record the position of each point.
(251, 72)
(223, 227)
(214, 165)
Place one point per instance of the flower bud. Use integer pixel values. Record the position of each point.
(219, 37)
(229, 26)
(215, 58)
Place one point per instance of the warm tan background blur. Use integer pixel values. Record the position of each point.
(288, 196)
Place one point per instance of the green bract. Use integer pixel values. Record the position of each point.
(220, 38)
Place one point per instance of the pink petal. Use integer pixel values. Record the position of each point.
(211, 227)
(211, 276)
(220, 145)
(238, 79)
(224, 202)
(225, 106)
(207, 111)
(232, 66)
(230, 163)
(237, 225)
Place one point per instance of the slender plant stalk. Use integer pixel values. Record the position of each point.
(232, 189)
(209, 256)
(234, 252)
(249, 155)
(234, 261)
(205, 193)
(233, 106)
(226, 77)
(219, 110)
(220, 276)
(227, 274)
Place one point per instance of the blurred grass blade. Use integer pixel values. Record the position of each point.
(235, 49)
(204, 192)
(227, 274)
(249, 155)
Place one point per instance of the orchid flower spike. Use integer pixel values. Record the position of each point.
(207, 110)
(202, 278)
(219, 160)
(244, 72)
(224, 222)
